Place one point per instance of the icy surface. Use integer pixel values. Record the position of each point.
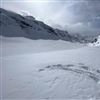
(49, 69)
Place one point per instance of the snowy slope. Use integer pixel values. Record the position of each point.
(96, 42)
(37, 70)
(16, 25)
(33, 46)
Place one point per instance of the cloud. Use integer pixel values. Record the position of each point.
(83, 18)
(24, 13)
(98, 17)
(85, 12)
(84, 29)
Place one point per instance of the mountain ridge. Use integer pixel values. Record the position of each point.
(16, 25)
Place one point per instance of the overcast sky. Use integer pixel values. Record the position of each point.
(76, 16)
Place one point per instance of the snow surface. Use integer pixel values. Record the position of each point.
(49, 69)
(27, 46)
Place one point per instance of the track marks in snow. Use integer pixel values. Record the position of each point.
(85, 67)
(98, 71)
(54, 82)
(81, 68)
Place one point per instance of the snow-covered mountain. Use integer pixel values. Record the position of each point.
(16, 25)
(95, 42)
(81, 38)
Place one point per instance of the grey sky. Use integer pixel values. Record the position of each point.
(76, 16)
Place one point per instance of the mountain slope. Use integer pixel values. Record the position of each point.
(96, 42)
(16, 25)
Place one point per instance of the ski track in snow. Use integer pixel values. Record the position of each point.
(81, 69)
